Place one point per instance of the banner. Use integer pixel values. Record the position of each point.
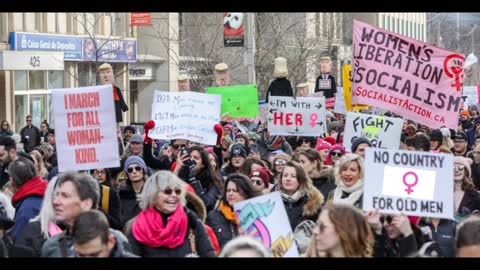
(233, 29)
(185, 115)
(409, 182)
(296, 116)
(471, 96)
(140, 19)
(264, 217)
(340, 102)
(408, 77)
(85, 128)
(237, 100)
(382, 131)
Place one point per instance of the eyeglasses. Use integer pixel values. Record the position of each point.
(388, 219)
(338, 154)
(280, 162)
(256, 182)
(176, 146)
(459, 167)
(103, 172)
(136, 168)
(224, 149)
(169, 191)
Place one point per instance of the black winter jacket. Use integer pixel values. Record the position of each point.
(224, 229)
(307, 207)
(279, 87)
(129, 206)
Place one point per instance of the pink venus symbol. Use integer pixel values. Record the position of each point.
(410, 185)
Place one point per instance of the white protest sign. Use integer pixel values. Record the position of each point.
(300, 116)
(382, 131)
(340, 102)
(410, 182)
(471, 94)
(85, 130)
(262, 110)
(185, 115)
(264, 217)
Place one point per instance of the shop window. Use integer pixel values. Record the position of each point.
(20, 78)
(36, 79)
(55, 79)
(21, 111)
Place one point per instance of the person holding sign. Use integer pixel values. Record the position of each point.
(325, 82)
(280, 85)
(341, 231)
(223, 219)
(301, 199)
(349, 172)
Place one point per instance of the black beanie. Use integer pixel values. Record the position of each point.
(359, 141)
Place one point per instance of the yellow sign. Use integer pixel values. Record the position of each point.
(347, 85)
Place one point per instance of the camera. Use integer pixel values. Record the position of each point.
(183, 152)
(189, 162)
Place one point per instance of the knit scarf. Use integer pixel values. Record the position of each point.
(354, 192)
(33, 187)
(149, 229)
(294, 197)
(227, 212)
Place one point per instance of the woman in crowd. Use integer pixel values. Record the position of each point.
(104, 177)
(300, 198)
(222, 219)
(238, 155)
(251, 164)
(44, 127)
(279, 162)
(335, 153)
(466, 197)
(47, 151)
(196, 170)
(165, 227)
(321, 175)
(323, 148)
(109, 197)
(39, 164)
(5, 129)
(341, 231)
(226, 143)
(349, 172)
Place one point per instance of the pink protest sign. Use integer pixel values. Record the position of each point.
(408, 77)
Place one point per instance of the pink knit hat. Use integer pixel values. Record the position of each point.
(337, 147)
(465, 162)
(322, 145)
(331, 140)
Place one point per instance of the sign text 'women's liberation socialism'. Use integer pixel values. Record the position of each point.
(185, 115)
(85, 128)
(408, 77)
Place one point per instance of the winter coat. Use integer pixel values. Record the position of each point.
(444, 235)
(279, 87)
(129, 206)
(5, 132)
(32, 236)
(327, 93)
(202, 242)
(358, 203)
(113, 213)
(399, 247)
(34, 137)
(61, 245)
(470, 202)
(224, 229)
(4, 177)
(307, 207)
(120, 105)
(325, 182)
(266, 147)
(153, 162)
(15, 250)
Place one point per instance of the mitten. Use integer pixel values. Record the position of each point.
(149, 125)
(219, 130)
(191, 170)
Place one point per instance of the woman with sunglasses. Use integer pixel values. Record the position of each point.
(321, 175)
(301, 199)
(222, 219)
(341, 231)
(279, 162)
(196, 170)
(466, 196)
(137, 175)
(5, 129)
(165, 227)
(348, 172)
(335, 152)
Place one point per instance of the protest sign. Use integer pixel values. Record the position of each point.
(347, 90)
(408, 77)
(262, 110)
(264, 217)
(408, 182)
(383, 132)
(340, 102)
(185, 115)
(238, 100)
(471, 96)
(298, 116)
(85, 131)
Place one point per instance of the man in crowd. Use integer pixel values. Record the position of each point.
(30, 135)
(460, 144)
(8, 152)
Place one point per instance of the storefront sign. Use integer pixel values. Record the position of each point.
(11, 60)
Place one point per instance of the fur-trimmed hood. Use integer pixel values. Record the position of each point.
(327, 173)
(314, 202)
(196, 204)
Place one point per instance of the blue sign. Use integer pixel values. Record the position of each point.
(77, 48)
(70, 45)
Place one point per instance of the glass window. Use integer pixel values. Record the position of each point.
(38, 108)
(21, 111)
(86, 76)
(36, 79)
(55, 79)
(20, 78)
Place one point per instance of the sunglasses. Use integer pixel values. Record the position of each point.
(256, 182)
(176, 146)
(103, 172)
(459, 167)
(169, 191)
(136, 168)
(280, 162)
(224, 149)
(338, 154)
(29, 120)
(389, 219)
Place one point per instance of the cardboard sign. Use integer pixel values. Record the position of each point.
(264, 217)
(185, 115)
(410, 182)
(340, 102)
(262, 110)
(85, 130)
(408, 77)
(382, 131)
(471, 96)
(238, 100)
(301, 116)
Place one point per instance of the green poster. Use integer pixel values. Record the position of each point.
(238, 100)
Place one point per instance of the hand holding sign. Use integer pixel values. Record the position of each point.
(403, 224)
